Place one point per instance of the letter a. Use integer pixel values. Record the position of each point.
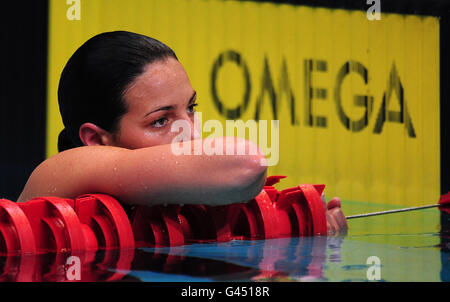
(374, 12)
(74, 268)
(386, 115)
(184, 292)
(374, 272)
(73, 12)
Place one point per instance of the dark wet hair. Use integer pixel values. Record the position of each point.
(94, 79)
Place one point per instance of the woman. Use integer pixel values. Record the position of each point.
(119, 94)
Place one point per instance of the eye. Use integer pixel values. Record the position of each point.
(191, 108)
(160, 122)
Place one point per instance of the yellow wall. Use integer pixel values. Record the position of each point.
(290, 51)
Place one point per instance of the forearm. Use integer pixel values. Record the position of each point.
(158, 176)
(153, 175)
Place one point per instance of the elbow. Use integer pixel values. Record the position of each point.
(252, 175)
(252, 187)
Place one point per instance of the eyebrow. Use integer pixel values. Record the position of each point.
(191, 100)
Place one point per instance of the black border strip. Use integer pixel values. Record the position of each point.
(23, 92)
(416, 7)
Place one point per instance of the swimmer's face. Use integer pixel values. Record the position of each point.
(161, 95)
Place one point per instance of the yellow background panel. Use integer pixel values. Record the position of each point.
(389, 167)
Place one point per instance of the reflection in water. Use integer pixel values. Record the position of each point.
(104, 265)
(285, 259)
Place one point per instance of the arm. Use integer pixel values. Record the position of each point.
(149, 176)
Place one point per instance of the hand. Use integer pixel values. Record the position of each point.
(336, 222)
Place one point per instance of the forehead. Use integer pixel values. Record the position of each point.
(162, 82)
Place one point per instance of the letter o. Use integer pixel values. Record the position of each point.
(233, 56)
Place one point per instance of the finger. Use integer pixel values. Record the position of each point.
(334, 207)
(329, 230)
(333, 226)
(335, 202)
(339, 218)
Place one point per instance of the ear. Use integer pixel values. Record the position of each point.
(92, 135)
